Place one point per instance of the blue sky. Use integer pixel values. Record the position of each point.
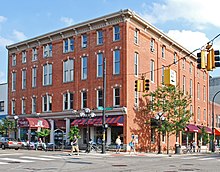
(192, 23)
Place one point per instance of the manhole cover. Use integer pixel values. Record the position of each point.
(14, 162)
(188, 164)
(172, 166)
(186, 169)
(119, 165)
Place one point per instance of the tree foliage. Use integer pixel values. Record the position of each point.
(43, 133)
(7, 126)
(74, 131)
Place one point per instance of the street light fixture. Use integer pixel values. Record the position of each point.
(160, 118)
(16, 124)
(88, 114)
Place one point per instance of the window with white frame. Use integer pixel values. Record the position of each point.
(99, 37)
(24, 57)
(116, 33)
(136, 64)
(175, 58)
(190, 67)
(99, 98)
(84, 41)
(153, 135)
(191, 111)
(191, 87)
(163, 51)
(34, 104)
(34, 54)
(84, 68)
(136, 36)
(68, 101)
(34, 77)
(116, 62)
(24, 78)
(152, 45)
(23, 106)
(152, 70)
(83, 99)
(116, 92)
(184, 84)
(184, 63)
(47, 50)
(47, 103)
(13, 59)
(163, 68)
(68, 70)
(2, 106)
(163, 136)
(13, 107)
(198, 114)
(204, 75)
(47, 74)
(204, 93)
(13, 85)
(198, 90)
(204, 114)
(68, 45)
(99, 64)
(136, 99)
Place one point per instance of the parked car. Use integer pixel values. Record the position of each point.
(11, 143)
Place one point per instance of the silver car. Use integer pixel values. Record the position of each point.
(11, 143)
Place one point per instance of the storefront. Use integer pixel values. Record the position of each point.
(190, 134)
(27, 127)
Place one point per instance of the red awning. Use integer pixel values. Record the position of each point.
(207, 129)
(33, 123)
(192, 128)
(97, 121)
(217, 131)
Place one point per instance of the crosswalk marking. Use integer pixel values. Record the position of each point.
(2, 163)
(193, 157)
(15, 160)
(36, 158)
(8, 154)
(203, 159)
(54, 157)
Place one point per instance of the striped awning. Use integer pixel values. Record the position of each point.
(192, 128)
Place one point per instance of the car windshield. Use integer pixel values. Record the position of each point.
(10, 139)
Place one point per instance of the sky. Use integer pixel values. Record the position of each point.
(191, 23)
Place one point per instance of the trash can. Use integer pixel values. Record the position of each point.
(177, 148)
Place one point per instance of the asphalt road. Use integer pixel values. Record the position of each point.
(40, 161)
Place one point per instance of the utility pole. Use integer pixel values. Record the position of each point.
(104, 102)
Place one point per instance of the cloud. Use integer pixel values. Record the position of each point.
(2, 77)
(188, 39)
(2, 19)
(68, 21)
(20, 36)
(4, 42)
(198, 13)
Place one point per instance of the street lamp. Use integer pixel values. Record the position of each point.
(213, 118)
(160, 118)
(88, 114)
(16, 124)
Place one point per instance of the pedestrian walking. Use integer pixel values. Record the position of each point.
(118, 144)
(194, 146)
(132, 146)
(75, 146)
(199, 146)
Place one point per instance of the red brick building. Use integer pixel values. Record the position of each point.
(54, 76)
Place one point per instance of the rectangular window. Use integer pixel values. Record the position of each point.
(198, 114)
(116, 34)
(163, 52)
(152, 45)
(13, 59)
(84, 99)
(67, 101)
(136, 35)
(34, 54)
(136, 99)
(13, 81)
(198, 90)
(116, 62)
(84, 68)
(163, 136)
(23, 104)
(116, 96)
(152, 135)
(99, 37)
(68, 45)
(100, 65)
(84, 41)
(191, 87)
(175, 58)
(191, 112)
(152, 70)
(184, 85)
(47, 103)
(204, 115)
(190, 67)
(47, 74)
(184, 63)
(24, 58)
(163, 68)
(2, 106)
(99, 98)
(13, 107)
(204, 93)
(34, 77)
(24, 79)
(47, 49)
(34, 104)
(136, 64)
(68, 70)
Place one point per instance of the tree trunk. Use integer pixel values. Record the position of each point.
(168, 142)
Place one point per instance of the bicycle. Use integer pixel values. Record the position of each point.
(187, 150)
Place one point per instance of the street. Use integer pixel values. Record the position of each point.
(58, 161)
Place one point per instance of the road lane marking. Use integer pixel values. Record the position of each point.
(54, 157)
(203, 159)
(15, 160)
(2, 163)
(193, 157)
(36, 158)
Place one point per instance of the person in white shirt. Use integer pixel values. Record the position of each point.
(118, 144)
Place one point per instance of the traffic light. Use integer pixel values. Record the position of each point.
(210, 60)
(217, 58)
(201, 60)
(137, 85)
(146, 85)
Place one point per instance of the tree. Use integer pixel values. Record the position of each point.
(43, 133)
(7, 126)
(74, 131)
(173, 103)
